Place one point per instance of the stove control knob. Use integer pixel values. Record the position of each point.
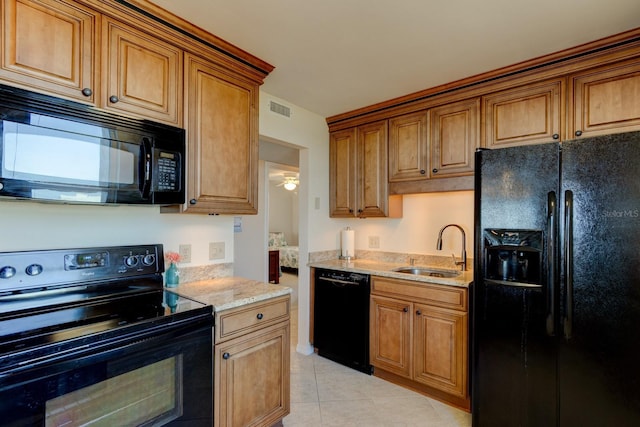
(149, 259)
(7, 272)
(131, 261)
(34, 269)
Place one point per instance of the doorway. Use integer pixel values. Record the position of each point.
(283, 223)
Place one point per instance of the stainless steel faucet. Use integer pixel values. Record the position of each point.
(463, 256)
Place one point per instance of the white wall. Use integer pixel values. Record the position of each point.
(307, 131)
(417, 231)
(33, 225)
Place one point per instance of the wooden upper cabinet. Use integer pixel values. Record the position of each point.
(342, 173)
(222, 140)
(50, 46)
(455, 134)
(141, 74)
(371, 154)
(408, 149)
(532, 114)
(358, 183)
(605, 100)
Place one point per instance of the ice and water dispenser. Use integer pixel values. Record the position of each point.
(513, 256)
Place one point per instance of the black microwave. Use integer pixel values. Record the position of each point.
(61, 151)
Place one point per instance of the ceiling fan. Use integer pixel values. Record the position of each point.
(289, 181)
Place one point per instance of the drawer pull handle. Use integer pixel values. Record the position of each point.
(225, 356)
(259, 316)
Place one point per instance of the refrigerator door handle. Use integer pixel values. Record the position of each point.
(568, 263)
(551, 264)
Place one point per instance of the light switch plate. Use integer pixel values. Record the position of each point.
(216, 250)
(374, 242)
(185, 253)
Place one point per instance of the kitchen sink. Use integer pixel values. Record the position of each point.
(421, 271)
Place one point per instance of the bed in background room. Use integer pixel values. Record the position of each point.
(288, 254)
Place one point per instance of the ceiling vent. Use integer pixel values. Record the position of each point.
(283, 110)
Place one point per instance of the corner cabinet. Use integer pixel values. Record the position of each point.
(358, 183)
(419, 337)
(252, 368)
(222, 140)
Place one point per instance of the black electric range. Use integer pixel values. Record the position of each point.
(69, 313)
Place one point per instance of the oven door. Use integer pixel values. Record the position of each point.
(163, 377)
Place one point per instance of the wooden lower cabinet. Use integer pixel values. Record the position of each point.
(419, 337)
(390, 343)
(440, 349)
(252, 368)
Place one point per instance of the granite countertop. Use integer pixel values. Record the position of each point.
(229, 292)
(385, 269)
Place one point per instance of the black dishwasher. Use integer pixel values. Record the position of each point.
(341, 318)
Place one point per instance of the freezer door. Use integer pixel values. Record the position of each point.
(514, 356)
(599, 352)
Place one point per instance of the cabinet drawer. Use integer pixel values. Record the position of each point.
(428, 293)
(243, 320)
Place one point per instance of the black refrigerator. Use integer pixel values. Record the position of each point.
(556, 293)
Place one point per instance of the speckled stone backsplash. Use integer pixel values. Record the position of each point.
(205, 272)
(445, 262)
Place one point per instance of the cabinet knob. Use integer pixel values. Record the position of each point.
(418, 312)
(113, 99)
(87, 91)
(350, 210)
(422, 171)
(259, 316)
(434, 170)
(405, 309)
(225, 356)
(578, 132)
(193, 201)
(556, 136)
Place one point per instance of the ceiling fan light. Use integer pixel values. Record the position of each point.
(290, 185)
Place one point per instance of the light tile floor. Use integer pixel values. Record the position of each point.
(324, 393)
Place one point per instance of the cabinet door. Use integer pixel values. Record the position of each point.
(141, 74)
(440, 349)
(371, 155)
(222, 135)
(524, 115)
(342, 170)
(252, 381)
(455, 133)
(605, 100)
(408, 151)
(390, 335)
(50, 46)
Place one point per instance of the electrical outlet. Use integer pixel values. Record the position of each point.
(374, 242)
(216, 250)
(185, 253)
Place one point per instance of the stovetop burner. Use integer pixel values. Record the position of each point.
(82, 297)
